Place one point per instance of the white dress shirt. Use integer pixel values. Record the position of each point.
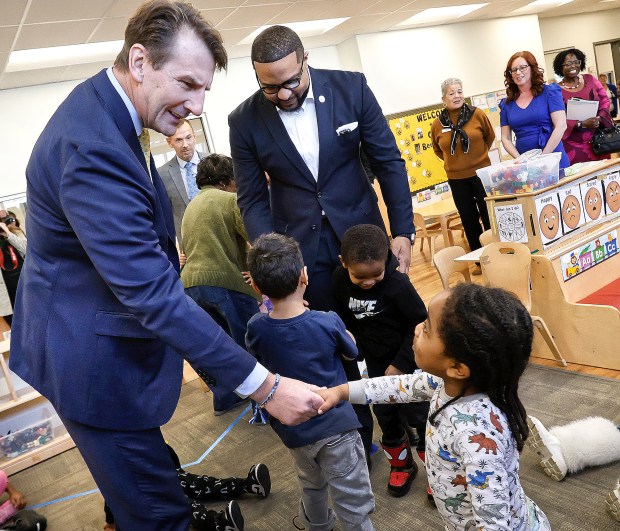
(302, 128)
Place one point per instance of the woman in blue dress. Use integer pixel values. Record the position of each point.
(534, 111)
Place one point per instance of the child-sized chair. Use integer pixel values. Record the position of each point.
(426, 232)
(507, 265)
(486, 238)
(445, 264)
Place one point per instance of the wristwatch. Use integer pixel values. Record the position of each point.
(409, 235)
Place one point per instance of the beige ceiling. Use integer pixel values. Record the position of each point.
(28, 24)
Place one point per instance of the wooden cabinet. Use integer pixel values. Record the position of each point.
(18, 404)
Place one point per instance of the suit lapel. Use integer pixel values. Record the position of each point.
(276, 128)
(324, 105)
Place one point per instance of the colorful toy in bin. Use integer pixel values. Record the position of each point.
(525, 174)
(26, 439)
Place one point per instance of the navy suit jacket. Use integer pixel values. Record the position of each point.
(260, 143)
(170, 174)
(101, 318)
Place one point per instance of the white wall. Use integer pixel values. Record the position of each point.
(25, 111)
(605, 60)
(580, 31)
(405, 68)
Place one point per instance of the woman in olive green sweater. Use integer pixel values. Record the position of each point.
(215, 243)
(462, 136)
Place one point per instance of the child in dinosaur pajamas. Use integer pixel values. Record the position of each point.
(472, 349)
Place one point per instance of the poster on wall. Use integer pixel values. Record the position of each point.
(412, 131)
(489, 104)
(548, 213)
(511, 223)
(611, 184)
(589, 255)
(571, 208)
(592, 198)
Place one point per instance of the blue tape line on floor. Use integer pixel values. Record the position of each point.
(199, 460)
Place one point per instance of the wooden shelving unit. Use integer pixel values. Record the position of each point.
(19, 402)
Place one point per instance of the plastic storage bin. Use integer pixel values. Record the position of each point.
(529, 172)
(25, 431)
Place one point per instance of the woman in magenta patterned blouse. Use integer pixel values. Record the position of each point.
(532, 110)
(578, 135)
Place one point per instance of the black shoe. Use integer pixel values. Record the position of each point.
(258, 481)
(230, 519)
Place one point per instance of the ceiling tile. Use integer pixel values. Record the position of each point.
(7, 35)
(238, 50)
(4, 57)
(63, 10)
(233, 36)
(215, 4)
(215, 16)
(299, 12)
(348, 8)
(245, 17)
(385, 7)
(12, 12)
(110, 29)
(123, 8)
(31, 77)
(54, 34)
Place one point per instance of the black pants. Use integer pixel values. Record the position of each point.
(468, 195)
(391, 417)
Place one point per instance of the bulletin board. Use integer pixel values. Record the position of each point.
(412, 130)
(489, 104)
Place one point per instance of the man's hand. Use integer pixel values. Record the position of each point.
(401, 247)
(294, 402)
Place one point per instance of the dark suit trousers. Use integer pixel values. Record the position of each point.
(136, 476)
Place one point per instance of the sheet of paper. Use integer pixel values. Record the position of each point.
(581, 109)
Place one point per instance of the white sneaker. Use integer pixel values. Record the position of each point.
(548, 448)
(613, 501)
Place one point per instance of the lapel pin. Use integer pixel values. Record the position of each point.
(322, 98)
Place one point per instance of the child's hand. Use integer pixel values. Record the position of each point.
(332, 396)
(392, 371)
(17, 498)
(182, 259)
(247, 277)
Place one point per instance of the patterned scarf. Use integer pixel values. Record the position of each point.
(464, 117)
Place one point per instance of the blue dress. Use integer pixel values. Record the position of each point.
(533, 126)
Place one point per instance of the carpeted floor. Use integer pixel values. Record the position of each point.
(553, 395)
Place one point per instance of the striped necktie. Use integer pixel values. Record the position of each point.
(145, 145)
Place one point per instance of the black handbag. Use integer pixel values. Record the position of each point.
(606, 140)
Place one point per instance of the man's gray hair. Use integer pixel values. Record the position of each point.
(449, 82)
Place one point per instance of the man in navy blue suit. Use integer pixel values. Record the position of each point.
(305, 127)
(101, 320)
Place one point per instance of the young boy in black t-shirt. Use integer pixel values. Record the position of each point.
(380, 306)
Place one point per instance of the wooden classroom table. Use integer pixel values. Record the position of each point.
(440, 211)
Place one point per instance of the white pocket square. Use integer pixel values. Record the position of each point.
(346, 128)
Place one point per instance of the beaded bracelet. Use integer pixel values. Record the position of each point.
(271, 393)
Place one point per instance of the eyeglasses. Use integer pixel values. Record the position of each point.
(291, 84)
(576, 62)
(521, 68)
